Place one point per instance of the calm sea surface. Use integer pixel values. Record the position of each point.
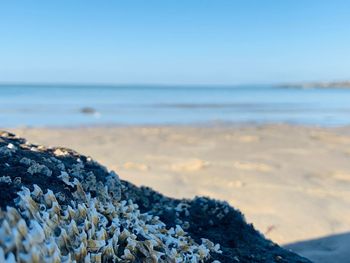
(56, 105)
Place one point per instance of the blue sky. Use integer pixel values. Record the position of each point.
(174, 42)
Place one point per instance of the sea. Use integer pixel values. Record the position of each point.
(24, 105)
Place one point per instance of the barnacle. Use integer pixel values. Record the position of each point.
(5, 179)
(8, 150)
(36, 168)
(64, 176)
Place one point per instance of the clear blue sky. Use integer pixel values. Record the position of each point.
(174, 42)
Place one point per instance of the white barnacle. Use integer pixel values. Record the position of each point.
(115, 240)
(128, 255)
(66, 258)
(72, 228)
(82, 210)
(48, 227)
(63, 239)
(16, 236)
(71, 212)
(17, 181)
(61, 166)
(34, 255)
(203, 252)
(79, 193)
(54, 258)
(64, 176)
(55, 209)
(5, 179)
(83, 238)
(124, 235)
(27, 203)
(36, 168)
(25, 257)
(60, 196)
(50, 221)
(8, 150)
(22, 227)
(179, 231)
(51, 247)
(96, 257)
(11, 146)
(87, 225)
(5, 229)
(37, 192)
(13, 215)
(59, 163)
(93, 216)
(76, 170)
(113, 185)
(95, 245)
(36, 233)
(49, 197)
(80, 253)
(101, 234)
(211, 246)
(131, 243)
(26, 161)
(108, 251)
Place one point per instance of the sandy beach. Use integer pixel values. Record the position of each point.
(292, 182)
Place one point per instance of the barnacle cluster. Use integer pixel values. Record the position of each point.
(95, 225)
(89, 230)
(8, 150)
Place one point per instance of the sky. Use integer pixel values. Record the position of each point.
(174, 41)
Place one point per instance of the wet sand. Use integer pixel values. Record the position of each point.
(292, 182)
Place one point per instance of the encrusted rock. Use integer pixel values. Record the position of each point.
(59, 206)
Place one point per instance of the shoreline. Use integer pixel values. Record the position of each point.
(209, 125)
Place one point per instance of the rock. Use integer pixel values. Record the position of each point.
(71, 208)
(88, 110)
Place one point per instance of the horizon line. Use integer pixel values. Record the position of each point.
(159, 84)
(111, 84)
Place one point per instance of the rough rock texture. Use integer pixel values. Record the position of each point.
(75, 179)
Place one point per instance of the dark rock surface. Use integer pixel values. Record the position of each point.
(200, 218)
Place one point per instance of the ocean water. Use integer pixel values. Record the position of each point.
(76, 105)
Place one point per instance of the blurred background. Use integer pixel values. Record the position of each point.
(243, 101)
(72, 105)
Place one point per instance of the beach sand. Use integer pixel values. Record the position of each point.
(292, 182)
